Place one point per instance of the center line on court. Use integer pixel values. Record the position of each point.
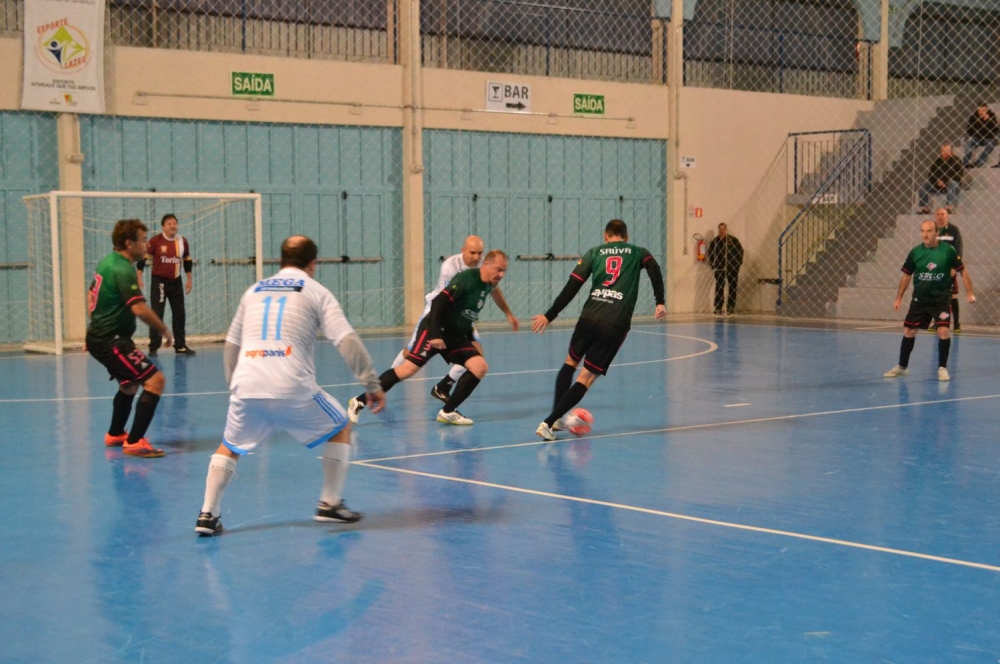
(695, 519)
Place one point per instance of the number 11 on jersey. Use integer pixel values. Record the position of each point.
(267, 316)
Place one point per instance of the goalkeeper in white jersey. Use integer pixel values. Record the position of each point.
(270, 368)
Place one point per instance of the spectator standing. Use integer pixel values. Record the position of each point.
(725, 256)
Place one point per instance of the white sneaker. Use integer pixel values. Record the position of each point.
(545, 431)
(354, 408)
(559, 425)
(896, 371)
(454, 417)
(943, 374)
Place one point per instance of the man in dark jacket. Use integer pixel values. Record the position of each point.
(944, 177)
(725, 256)
(982, 133)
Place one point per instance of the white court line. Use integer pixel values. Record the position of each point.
(894, 326)
(689, 427)
(695, 519)
(712, 347)
(736, 405)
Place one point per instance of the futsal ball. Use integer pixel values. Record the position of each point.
(578, 421)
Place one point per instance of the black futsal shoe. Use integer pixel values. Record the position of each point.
(338, 513)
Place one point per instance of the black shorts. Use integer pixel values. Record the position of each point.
(124, 362)
(922, 314)
(458, 347)
(597, 344)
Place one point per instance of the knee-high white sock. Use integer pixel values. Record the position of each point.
(336, 460)
(220, 471)
(456, 372)
(399, 360)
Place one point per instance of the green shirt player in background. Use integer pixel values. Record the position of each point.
(613, 269)
(115, 301)
(448, 329)
(932, 267)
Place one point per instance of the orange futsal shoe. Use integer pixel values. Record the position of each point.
(115, 441)
(142, 449)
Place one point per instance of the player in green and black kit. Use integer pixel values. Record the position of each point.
(613, 269)
(447, 329)
(115, 301)
(932, 266)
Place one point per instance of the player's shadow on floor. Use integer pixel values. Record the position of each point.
(386, 521)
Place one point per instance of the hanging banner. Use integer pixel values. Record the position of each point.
(63, 56)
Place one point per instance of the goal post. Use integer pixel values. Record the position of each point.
(69, 232)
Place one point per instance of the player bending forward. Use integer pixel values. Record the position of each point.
(448, 330)
(613, 269)
(270, 368)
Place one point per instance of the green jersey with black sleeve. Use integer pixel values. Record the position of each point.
(931, 270)
(465, 294)
(613, 270)
(114, 290)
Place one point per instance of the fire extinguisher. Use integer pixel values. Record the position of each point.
(699, 247)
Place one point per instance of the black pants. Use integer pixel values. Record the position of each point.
(722, 278)
(160, 291)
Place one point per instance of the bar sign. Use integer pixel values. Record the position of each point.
(253, 84)
(588, 104)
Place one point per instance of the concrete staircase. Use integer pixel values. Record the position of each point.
(884, 122)
(869, 294)
(815, 293)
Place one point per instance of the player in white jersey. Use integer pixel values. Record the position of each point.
(270, 368)
(470, 258)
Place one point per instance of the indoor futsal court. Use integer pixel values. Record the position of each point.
(749, 493)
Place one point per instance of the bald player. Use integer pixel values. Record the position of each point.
(470, 258)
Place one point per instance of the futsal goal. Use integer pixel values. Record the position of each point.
(69, 232)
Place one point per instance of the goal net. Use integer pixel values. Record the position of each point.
(70, 232)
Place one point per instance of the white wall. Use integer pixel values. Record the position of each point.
(737, 140)
(735, 137)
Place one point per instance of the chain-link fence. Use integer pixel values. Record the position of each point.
(544, 200)
(615, 41)
(794, 47)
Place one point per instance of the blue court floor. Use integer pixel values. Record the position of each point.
(750, 493)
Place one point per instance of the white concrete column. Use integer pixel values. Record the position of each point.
(880, 57)
(413, 164)
(73, 269)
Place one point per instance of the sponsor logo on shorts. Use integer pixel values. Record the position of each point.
(269, 353)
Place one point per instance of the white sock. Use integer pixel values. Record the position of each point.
(456, 372)
(399, 360)
(220, 471)
(336, 461)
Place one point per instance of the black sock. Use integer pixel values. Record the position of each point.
(905, 349)
(144, 411)
(954, 313)
(563, 381)
(572, 397)
(387, 380)
(121, 409)
(463, 389)
(944, 348)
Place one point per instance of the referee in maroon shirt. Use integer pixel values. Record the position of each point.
(167, 253)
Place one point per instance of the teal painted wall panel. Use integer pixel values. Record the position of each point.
(28, 165)
(536, 195)
(302, 172)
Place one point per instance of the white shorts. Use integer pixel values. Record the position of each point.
(311, 421)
